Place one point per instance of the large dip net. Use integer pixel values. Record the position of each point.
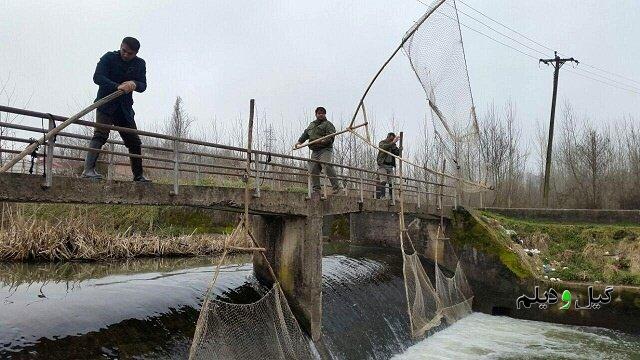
(436, 53)
(265, 329)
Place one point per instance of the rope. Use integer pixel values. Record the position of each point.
(34, 154)
(401, 159)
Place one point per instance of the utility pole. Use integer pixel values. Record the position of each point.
(557, 63)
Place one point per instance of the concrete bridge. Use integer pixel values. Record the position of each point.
(287, 224)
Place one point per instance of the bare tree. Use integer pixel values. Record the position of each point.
(179, 123)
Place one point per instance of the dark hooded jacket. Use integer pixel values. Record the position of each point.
(110, 72)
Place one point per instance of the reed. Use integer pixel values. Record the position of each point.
(27, 237)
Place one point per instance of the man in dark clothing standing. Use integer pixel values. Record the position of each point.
(322, 150)
(118, 70)
(386, 165)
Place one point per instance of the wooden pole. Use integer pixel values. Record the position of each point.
(329, 136)
(247, 197)
(46, 137)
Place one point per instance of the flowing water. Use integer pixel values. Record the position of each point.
(147, 309)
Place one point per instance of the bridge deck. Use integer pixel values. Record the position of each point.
(16, 187)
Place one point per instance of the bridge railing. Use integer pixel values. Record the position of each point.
(183, 161)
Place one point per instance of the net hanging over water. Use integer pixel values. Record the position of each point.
(265, 329)
(450, 300)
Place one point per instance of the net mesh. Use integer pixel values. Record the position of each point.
(455, 294)
(265, 329)
(424, 305)
(436, 53)
(450, 300)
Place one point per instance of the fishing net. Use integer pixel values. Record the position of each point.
(450, 299)
(265, 329)
(424, 305)
(455, 294)
(436, 53)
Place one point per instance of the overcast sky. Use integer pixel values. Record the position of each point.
(292, 56)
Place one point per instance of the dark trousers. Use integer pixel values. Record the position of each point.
(131, 140)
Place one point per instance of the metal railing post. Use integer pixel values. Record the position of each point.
(481, 205)
(48, 165)
(324, 185)
(361, 188)
(256, 192)
(418, 192)
(455, 198)
(111, 168)
(198, 175)
(393, 189)
(176, 167)
(309, 186)
(375, 189)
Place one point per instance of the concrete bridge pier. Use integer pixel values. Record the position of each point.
(382, 229)
(294, 250)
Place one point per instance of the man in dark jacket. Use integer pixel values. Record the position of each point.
(386, 165)
(322, 150)
(118, 70)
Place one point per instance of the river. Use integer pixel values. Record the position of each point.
(147, 309)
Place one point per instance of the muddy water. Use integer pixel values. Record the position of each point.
(147, 309)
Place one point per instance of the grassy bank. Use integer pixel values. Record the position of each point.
(579, 252)
(54, 232)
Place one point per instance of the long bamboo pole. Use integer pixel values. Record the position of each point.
(329, 136)
(29, 149)
(406, 37)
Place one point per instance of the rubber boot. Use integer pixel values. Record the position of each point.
(90, 162)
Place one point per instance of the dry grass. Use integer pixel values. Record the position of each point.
(72, 237)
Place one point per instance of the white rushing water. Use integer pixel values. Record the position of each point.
(481, 336)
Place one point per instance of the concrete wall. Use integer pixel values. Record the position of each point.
(294, 250)
(572, 215)
(496, 287)
(382, 229)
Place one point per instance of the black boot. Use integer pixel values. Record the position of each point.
(136, 169)
(380, 190)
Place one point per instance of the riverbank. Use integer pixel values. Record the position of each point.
(63, 232)
(583, 252)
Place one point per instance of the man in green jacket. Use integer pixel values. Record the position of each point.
(321, 151)
(386, 165)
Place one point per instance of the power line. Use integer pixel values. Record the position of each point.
(542, 45)
(481, 33)
(534, 57)
(603, 82)
(505, 26)
(507, 36)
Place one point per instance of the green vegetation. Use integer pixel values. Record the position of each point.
(340, 228)
(148, 220)
(579, 252)
(471, 229)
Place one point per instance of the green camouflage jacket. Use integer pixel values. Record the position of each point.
(316, 130)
